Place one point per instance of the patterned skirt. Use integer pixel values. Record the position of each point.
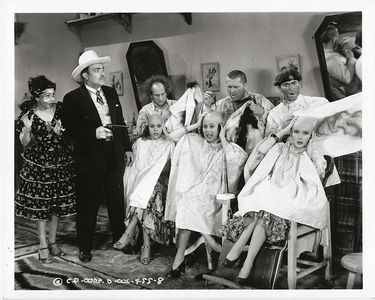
(152, 218)
(45, 191)
(276, 228)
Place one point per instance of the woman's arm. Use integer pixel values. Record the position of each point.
(223, 139)
(178, 133)
(274, 138)
(25, 135)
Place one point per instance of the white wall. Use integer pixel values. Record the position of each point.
(245, 41)
(249, 42)
(46, 47)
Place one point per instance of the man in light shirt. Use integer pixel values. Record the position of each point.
(157, 88)
(288, 80)
(233, 106)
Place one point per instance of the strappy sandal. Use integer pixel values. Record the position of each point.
(121, 245)
(145, 259)
(59, 253)
(46, 260)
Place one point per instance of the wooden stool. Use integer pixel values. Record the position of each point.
(353, 263)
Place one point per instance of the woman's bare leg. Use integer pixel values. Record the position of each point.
(237, 248)
(145, 249)
(182, 245)
(125, 238)
(52, 229)
(41, 227)
(211, 242)
(256, 242)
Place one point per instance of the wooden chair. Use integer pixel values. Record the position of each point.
(299, 237)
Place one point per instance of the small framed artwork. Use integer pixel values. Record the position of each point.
(286, 60)
(211, 76)
(117, 82)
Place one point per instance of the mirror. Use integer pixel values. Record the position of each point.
(339, 45)
(144, 60)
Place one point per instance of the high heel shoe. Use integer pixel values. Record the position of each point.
(44, 260)
(229, 263)
(241, 281)
(175, 273)
(145, 259)
(59, 252)
(121, 245)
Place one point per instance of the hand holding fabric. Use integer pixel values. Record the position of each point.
(129, 158)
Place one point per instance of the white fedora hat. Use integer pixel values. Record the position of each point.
(86, 59)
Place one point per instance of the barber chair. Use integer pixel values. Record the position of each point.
(268, 261)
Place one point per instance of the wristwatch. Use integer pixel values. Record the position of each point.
(275, 137)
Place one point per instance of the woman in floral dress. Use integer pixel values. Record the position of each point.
(46, 190)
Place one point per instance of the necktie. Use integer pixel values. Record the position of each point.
(99, 98)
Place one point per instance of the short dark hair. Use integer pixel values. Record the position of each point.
(157, 79)
(38, 84)
(287, 73)
(329, 34)
(237, 74)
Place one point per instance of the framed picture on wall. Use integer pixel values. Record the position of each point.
(117, 82)
(286, 60)
(211, 76)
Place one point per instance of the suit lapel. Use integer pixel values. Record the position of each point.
(89, 106)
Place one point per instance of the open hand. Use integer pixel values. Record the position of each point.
(287, 128)
(257, 109)
(222, 132)
(58, 129)
(201, 117)
(27, 122)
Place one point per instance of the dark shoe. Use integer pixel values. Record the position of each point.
(241, 281)
(57, 253)
(85, 257)
(177, 272)
(229, 263)
(45, 259)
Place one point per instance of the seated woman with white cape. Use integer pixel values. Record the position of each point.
(285, 186)
(146, 188)
(203, 165)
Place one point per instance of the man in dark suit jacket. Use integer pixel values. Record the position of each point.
(99, 152)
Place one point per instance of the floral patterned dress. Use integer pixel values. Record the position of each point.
(46, 179)
(152, 218)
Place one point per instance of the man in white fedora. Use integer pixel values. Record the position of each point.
(98, 151)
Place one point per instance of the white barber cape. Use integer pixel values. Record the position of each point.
(140, 179)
